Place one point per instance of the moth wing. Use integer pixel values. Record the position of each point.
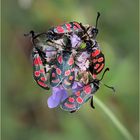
(40, 76)
(98, 61)
(75, 101)
(56, 75)
(68, 71)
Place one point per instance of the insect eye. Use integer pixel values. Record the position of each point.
(89, 43)
(94, 31)
(51, 35)
(89, 46)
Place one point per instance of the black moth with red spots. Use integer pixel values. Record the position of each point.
(57, 32)
(75, 101)
(86, 33)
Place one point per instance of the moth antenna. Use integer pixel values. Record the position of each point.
(32, 33)
(98, 15)
(111, 87)
(91, 103)
(107, 69)
(33, 36)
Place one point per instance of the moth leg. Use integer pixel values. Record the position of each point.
(73, 111)
(40, 73)
(91, 103)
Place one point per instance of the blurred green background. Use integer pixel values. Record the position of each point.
(25, 115)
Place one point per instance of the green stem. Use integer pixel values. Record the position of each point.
(114, 119)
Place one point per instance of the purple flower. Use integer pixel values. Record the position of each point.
(75, 41)
(59, 94)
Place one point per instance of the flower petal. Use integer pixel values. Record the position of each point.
(77, 86)
(75, 41)
(58, 95)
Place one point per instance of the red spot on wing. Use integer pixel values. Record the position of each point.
(37, 61)
(78, 93)
(101, 67)
(71, 78)
(69, 105)
(94, 60)
(79, 100)
(100, 59)
(53, 75)
(87, 89)
(58, 71)
(56, 81)
(37, 73)
(41, 84)
(43, 78)
(95, 53)
(68, 26)
(60, 59)
(42, 71)
(67, 72)
(70, 61)
(60, 29)
(96, 66)
(75, 28)
(71, 99)
(77, 25)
